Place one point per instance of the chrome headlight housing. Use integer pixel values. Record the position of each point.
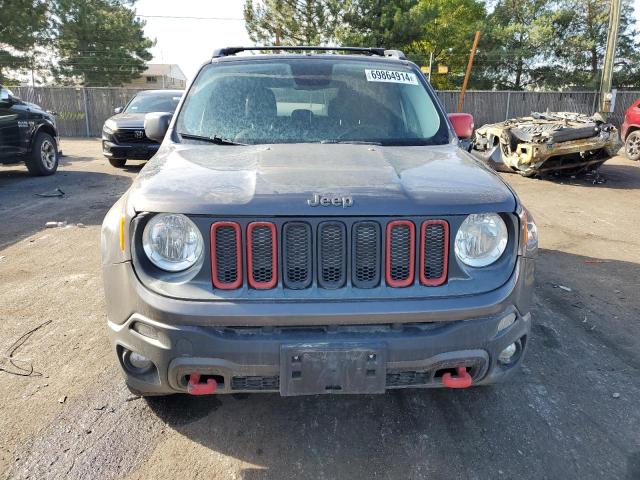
(481, 239)
(172, 242)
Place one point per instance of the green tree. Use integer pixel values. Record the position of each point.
(291, 22)
(99, 42)
(23, 25)
(445, 28)
(377, 23)
(516, 43)
(419, 28)
(581, 39)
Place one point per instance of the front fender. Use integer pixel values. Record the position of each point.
(117, 218)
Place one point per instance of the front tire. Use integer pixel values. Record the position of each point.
(117, 162)
(632, 145)
(43, 159)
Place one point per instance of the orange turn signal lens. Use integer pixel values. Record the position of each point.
(122, 233)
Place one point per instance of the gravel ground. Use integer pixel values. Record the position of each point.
(573, 411)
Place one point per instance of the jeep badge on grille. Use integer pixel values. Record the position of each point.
(330, 200)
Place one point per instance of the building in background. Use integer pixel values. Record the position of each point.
(160, 75)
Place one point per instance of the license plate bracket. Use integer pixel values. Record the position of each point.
(332, 368)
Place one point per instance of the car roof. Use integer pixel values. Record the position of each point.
(368, 54)
(315, 56)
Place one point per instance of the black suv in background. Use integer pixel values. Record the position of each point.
(123, 134)
(27, 134)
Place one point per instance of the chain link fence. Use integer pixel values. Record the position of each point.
(82, 111)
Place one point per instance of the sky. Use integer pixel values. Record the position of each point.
(189, 42)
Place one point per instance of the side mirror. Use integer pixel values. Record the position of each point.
(462, 124)
(5, 96)
(156, 125)
(117, 110)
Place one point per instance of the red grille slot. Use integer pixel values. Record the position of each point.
(400, 253)
(226, 255)
(434, 252)
(262, 260)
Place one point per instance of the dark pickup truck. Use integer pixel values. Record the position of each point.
(28, 134)
(310, 225)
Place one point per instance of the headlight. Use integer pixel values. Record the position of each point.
(109, 127)
(481, 239)
(172, 242)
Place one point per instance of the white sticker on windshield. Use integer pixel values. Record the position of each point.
(391, 76)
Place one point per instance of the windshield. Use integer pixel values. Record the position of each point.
(156, 102)
(312, 100)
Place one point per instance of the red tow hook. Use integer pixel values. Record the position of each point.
(463, 380)
(194, 387)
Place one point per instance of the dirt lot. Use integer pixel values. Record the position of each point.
(573, 412)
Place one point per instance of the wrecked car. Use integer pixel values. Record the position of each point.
(310, 225)
(547, 142)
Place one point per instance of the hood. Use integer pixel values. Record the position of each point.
(277, 180)
(128, 120)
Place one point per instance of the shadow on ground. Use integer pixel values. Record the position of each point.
(88, 197)
(558, 408)
(610, 175)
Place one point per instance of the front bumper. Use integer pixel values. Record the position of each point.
(243, 345)
(137, 151)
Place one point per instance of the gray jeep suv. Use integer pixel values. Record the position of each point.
(310, 225)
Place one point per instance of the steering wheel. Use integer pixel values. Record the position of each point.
(374, 130)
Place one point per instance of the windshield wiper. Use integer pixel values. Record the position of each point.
(214, 139)
(354, 142)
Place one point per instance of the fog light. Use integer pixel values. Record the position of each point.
(507, 354)
(506, 321)
(136, 361)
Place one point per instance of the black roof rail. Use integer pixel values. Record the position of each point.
(381, 52)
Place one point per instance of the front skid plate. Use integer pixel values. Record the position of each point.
(312, 369)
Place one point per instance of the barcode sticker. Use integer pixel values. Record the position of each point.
(391, 76)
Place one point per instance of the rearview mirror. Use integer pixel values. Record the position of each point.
(117, 110)
(156, 125)
(462, 124)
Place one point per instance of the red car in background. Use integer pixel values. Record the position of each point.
(630, 132)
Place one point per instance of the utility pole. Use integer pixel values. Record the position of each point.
(606, 95)
(468, 73)
(430, 65)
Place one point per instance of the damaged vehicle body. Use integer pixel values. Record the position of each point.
(547, 142)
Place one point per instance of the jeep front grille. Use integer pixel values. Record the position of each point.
(332, 254)
(297, 261)
(366, 254)
(401, 253)
(226, 255)
(434, 252)
(262, 255)
(329, 254)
